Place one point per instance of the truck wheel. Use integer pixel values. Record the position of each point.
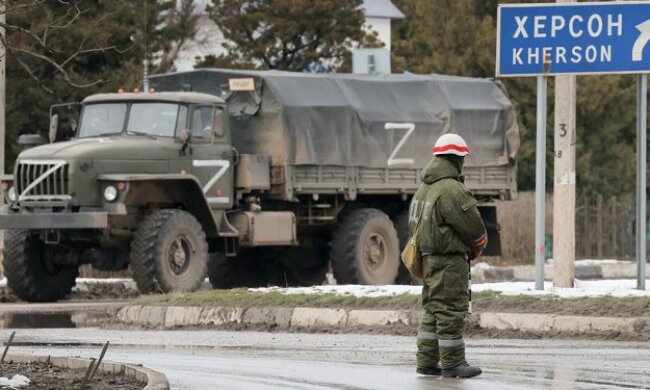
(365, 249)
(401, 223)
(30, 272)
(169, 253)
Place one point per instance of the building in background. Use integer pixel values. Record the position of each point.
(209, 39)
(379, 15)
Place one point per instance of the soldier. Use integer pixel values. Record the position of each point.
(451, 234)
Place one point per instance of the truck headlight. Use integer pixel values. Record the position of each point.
(12, 194)
(110, 193)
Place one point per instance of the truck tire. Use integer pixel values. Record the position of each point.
(365, 249)
(29, 274)
(169, 253)
(401, 222)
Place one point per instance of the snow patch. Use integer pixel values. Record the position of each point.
(3, 282)
(590, 288)
(602, 262)
(17, 381)
(350, 289)
(100, 280)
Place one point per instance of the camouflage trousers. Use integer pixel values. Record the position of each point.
(445, 299)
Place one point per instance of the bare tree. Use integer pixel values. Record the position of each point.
(37, 44)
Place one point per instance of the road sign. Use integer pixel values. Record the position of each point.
(573, 38)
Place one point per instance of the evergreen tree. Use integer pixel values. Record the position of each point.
(294, 35)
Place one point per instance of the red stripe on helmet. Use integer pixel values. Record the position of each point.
(458, 148)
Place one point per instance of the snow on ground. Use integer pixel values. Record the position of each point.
(600, 262)
(349, 289)
(104, 280)
(17, 381)
(3, 282)
(592, 288)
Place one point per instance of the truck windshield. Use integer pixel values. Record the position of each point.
(156, 119)
(150, 118)
(102, 119)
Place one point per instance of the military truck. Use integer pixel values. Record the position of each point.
(251, 178)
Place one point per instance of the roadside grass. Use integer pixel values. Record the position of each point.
(485, 301)
(241, 297)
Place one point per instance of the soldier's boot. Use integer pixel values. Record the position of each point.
(434, 371)
(464, 370)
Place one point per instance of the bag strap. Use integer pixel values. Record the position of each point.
(416, 231)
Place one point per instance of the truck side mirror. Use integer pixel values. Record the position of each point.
(30, 140)
(185, 136)
(54, 125)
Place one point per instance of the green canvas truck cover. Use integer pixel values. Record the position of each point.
(340, 119)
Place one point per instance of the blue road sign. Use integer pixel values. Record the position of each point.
(573, 38)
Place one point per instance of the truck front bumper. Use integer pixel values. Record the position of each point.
(47, 220)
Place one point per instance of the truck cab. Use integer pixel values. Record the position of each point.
(137, 164)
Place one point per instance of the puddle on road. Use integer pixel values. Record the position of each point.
(36, 320)
(44, 320)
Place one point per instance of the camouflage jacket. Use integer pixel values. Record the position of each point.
(451, 223)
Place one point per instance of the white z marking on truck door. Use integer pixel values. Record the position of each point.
(409, 127)
(223, 167)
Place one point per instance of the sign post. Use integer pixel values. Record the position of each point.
(564, 40)
(641, 139)
(540, 182)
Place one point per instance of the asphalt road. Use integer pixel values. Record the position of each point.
(252, 360)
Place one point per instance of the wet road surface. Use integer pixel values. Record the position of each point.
(252, 360)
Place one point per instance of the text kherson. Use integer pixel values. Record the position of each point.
(543, 27)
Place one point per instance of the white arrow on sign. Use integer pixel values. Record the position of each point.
(641, 41)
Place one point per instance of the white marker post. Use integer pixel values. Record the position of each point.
(564, 189)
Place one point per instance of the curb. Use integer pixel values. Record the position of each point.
(175, 316)
(551, 323)
(301, 317)
(483, 273)
(154, 380)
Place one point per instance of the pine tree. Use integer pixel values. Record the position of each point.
(294, 35)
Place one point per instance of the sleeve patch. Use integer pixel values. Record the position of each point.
(469, 203)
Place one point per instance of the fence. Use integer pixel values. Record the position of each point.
(605, 227)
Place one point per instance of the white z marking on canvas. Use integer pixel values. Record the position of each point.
(223, 167)
(410, 128)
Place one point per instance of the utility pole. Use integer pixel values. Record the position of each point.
(564, 188)
(3, 78)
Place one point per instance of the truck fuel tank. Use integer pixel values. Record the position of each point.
(265, 228)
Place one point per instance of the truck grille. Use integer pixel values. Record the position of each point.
(42, 180)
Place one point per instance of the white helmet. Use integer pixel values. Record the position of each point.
(451, 144)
